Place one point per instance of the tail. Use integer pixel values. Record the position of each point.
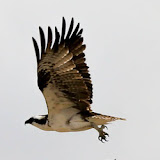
(100, 119)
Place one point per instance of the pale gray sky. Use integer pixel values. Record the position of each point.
(123, 53)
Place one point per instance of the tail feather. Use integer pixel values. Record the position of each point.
(100, 119)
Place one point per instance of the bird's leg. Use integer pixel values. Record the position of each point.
(102, 134)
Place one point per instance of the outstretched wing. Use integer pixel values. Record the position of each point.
(63, 75)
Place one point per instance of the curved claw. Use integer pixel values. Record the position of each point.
(103, 127)
(107, 134)
(102, 139)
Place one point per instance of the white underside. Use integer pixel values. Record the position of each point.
(66, 121)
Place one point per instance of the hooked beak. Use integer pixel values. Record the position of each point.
(27, 122)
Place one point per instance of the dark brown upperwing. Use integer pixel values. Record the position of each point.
(63, 64)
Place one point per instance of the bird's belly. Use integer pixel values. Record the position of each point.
(77, 123)
(68, 120)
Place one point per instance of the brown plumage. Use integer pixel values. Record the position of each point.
(65, 82)
(64, 62)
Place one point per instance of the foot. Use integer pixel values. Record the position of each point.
(102, 134)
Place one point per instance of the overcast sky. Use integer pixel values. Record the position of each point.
(123, 53)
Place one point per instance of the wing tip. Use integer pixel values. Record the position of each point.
(36, 49)
(33, 39)
(40, 29)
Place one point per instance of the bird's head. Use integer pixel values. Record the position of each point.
(37, 119)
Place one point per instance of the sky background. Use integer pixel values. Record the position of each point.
(123, 53)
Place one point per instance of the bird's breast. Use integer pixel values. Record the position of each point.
(67, 120)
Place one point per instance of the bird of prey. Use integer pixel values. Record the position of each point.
(65, 82)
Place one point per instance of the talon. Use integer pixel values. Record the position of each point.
(107, 134)
(102, 141)
(102, 138)
(103, 127)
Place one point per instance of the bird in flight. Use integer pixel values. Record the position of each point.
(65, 82)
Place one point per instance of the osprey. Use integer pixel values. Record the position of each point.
(65, 82)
